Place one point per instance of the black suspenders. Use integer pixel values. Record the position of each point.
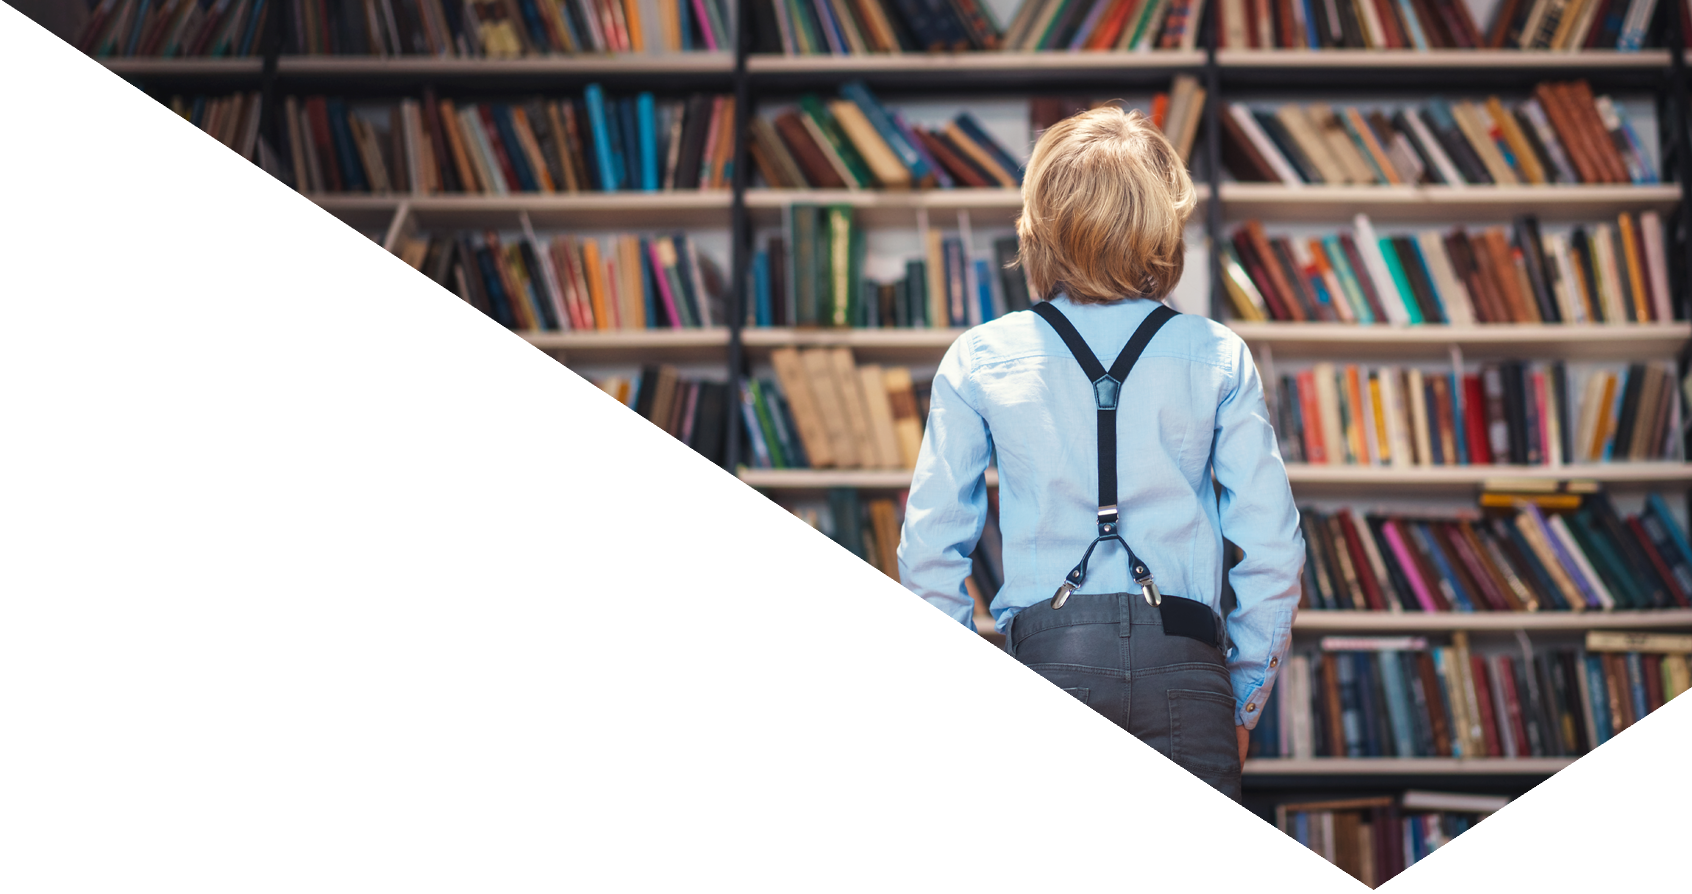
(1107, 392)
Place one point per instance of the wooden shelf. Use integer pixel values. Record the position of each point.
(1413, 60)
(1306, 477)
(823, 479)
(1276, 203)
(186, 68)
(1487, 340)
(609, 65)
(971, 71)
(1406, 766)
(581, 211)
(1315, 621)
(904, 346)
(633, 346)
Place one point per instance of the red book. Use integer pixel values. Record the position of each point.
(1476, 419)
(1483, 697)
(1315, 451)
(1652, 667)
(1360, 560)
(1656, 559)
(1513, 705)
(317, 109)
(501, 157)
(1104, 36)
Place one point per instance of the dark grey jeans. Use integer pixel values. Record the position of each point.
(1171, 692)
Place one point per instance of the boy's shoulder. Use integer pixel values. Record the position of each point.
(1021, 333)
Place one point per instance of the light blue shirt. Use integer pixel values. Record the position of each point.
(1191, 409)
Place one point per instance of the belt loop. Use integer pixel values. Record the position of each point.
(1125, 614)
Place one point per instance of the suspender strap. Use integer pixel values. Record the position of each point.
(1107, 394)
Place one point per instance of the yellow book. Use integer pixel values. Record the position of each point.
(955, 134)
(831, 407)
(460, 153)
(1677, 691)
(596, 284)
(637, 34)
(633, 289)
(851, 391)
(1380, 414)
(879, 411)
(889, 172)
(1634, 267)
(934, 266)
(796, 385)
(1519, 145)
(531, 149)
(907, 423)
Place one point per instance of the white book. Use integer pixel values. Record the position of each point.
(1609, 278)
(1459, 309)
(549, 273)
(1195, 15)
(1327, 408)
(1436, 153)
(1370, 248)
(1264, 146)
(1303, 736)
(1392, 407)
(1456, 803)
(1569, 305)
(1419, 417)
(1656, 265)
(1371, 551)
(1552, 422)
(1560, 529)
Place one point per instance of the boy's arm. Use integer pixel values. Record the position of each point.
(1258, 515)
(947, 506)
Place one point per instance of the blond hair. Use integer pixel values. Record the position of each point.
(1104, 204)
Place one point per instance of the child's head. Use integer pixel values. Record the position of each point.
(1104, 204)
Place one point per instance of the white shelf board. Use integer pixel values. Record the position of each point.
(1406, 766)
(823, 479)
(1543, 340)
(1449, 477)
(1314, 621)
(1089, 61)
(1412, 60)
(1276, 202)
(633, 345)
(609, 65)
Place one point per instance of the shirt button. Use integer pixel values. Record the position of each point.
(1251, 706)
(1274, 661)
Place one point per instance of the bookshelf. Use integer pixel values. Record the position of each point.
(733, 350)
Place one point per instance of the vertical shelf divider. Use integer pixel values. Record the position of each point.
(740, 234)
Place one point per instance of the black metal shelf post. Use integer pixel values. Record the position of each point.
(740, 234)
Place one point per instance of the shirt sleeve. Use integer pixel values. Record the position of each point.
(1258, 515)
(947, 505)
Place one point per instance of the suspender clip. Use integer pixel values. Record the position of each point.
(1062, 595)
(1149, 589)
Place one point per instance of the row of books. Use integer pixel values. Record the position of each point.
(855, 142)
(1597, 273)
(867, 528)
(1525, 558)
(492, 29)
(811, 274)
(1561, 134)
(576, 283)
(655, 446)
(591, 143)
(1435, 24)
(823, 410)
(1375, 838)
(232, 120)
(1127, 25)
(1361, 697)
(1524, 413)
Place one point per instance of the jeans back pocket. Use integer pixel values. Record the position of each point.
(1201, 733)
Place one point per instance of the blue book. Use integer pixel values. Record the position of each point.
(1397, 704)
(884, 126)
(1301, 850)
(761, 303)
(647, 120)
(1599, 694)
(1654, 506)
(135, 30)
(532, 19)
(984, 290)
(507, 131)
(1458, 398)
(978, 134)
(1636, 685)
(352, 169)
(836, 41)
(1448, 581)
(648, 284)
(1428, 277)
(497, 299)
(625, 142)
(246, 46)
(685, 14)
(608, 166)
(1312, 34)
